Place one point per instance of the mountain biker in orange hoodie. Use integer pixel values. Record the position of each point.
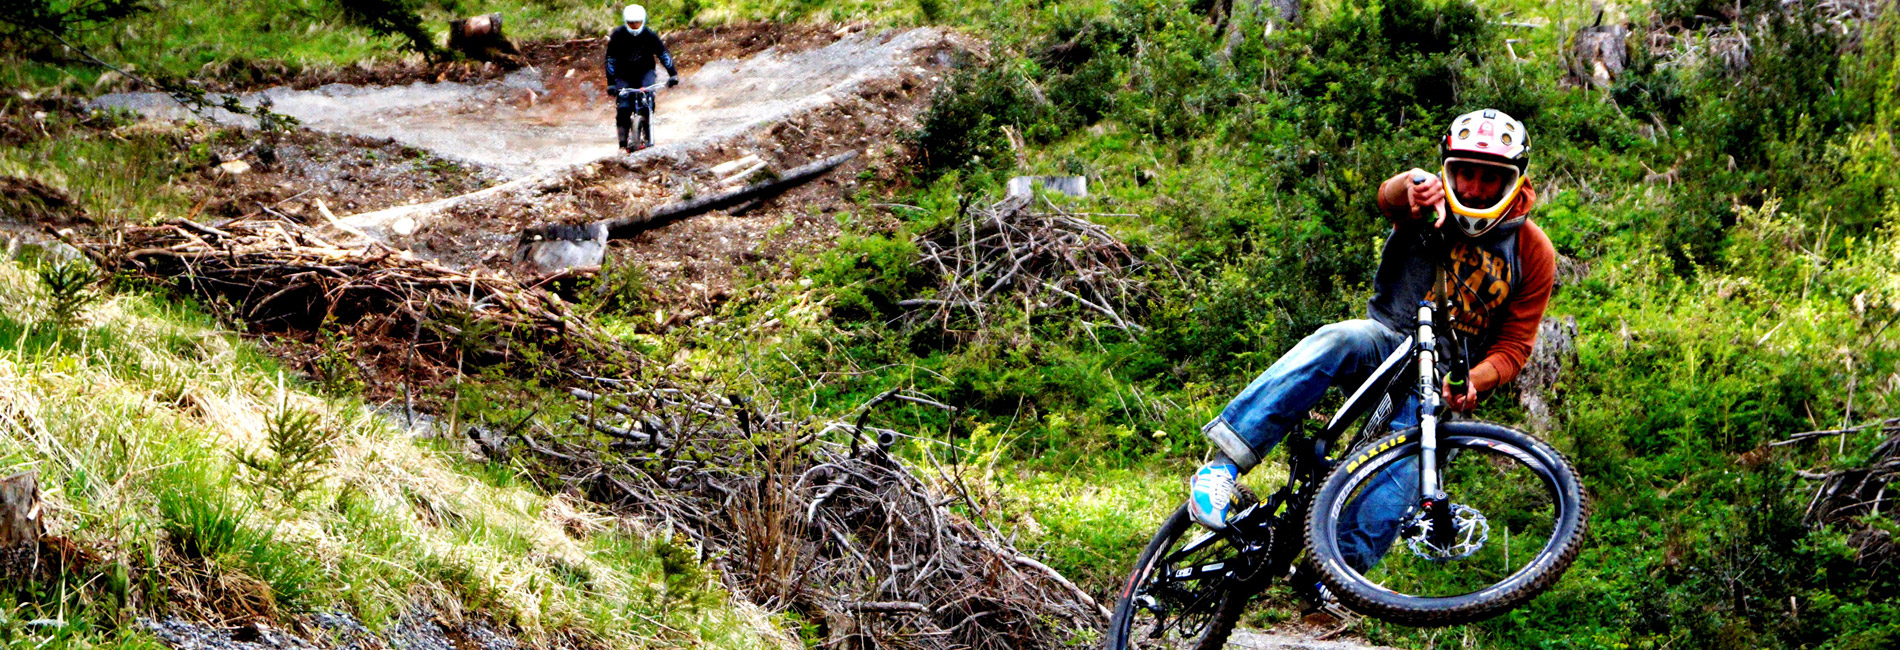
(1496, 273)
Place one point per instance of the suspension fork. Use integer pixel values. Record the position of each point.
(1431, 492)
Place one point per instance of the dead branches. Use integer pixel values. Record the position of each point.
(279, 274)
(839, 530)
(1845, 497)
(1007, 255)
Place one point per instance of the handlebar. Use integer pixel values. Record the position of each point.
(1420, 178)
(656, 86)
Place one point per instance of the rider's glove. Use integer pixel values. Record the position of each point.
(672, 81)
(623, 92)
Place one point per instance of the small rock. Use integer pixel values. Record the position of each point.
(234, 167)
(404, 226)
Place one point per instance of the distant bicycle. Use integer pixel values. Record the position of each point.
(642, 132)
(1478, 519)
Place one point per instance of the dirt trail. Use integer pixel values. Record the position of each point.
(539, 120)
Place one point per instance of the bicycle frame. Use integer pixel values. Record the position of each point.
(1265, 546)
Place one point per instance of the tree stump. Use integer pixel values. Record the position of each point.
(1599, 53)
(1555, 350)
(20, 525)
(480, 38)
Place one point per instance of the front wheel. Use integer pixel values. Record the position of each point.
(1515, 522)
(1182, 594)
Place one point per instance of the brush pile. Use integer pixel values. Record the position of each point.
(812, 516)
(820, 518)
(1847, 497)
(1008, 255)
(279, 275)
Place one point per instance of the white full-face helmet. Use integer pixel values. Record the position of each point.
(1483, 159)
(634, 14)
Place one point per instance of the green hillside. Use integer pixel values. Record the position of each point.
(1729, 258)
(1726, 209)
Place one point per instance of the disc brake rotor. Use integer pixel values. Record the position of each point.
(1471, 532)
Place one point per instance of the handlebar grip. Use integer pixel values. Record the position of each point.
(1421, 177)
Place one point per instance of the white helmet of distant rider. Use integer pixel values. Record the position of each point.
(1483, 159)
(635, 16)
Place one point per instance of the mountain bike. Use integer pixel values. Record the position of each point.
(643, 113)
(1492, 519)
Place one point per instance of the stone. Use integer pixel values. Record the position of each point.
(1076, 186)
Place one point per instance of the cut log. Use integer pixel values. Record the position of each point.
(740, 177)
(480, 38)
(727, 167)
(665, 214)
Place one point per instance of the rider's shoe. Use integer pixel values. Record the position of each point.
(1211, 493)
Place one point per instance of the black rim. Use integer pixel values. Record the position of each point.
(1182, 589)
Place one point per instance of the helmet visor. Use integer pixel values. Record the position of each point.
(1480, 188)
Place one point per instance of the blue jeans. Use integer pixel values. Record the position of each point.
(1342, 353)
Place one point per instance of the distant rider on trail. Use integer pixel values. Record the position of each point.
(1494, 269)
(631, 49)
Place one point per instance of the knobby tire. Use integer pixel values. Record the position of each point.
(1569, 515)
(1124, 631)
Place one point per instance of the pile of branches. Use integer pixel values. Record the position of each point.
(1007, 255)
(818, 517)
(1846, 496)
(278, 274)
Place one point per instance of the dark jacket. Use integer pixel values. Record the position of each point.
(630, 57)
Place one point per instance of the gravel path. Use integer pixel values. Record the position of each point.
(419, 629)
(537, 121)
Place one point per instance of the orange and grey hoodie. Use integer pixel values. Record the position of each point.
(1499, 284)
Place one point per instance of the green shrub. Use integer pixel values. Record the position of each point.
(300, 449)
(71, 288)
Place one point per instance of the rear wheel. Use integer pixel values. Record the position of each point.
(1515, 522)
(1182, 593)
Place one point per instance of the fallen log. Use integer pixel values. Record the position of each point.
(629, 226)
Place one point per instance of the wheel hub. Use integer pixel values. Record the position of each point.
(1470, 531)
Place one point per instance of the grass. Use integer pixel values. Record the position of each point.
(135, 422)
(116, 170)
